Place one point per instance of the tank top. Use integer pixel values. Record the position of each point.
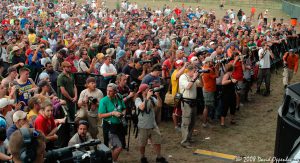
(24, 88)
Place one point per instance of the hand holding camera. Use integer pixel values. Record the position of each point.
(234, 81)
(116, 114)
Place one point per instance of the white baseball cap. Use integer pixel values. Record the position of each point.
(5, 101)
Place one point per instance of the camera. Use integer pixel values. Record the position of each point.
(92, 100)
(133, 86)
(145, 61)
(203, 70)
(223, 60)
(157, 89)
(123, 120)
(101, 153)
(242, 57)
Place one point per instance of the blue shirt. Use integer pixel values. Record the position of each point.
(23, 22)
(37, 63)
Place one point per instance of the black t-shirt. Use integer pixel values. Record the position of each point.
(127, 69)
(17, 59)
(134, 74)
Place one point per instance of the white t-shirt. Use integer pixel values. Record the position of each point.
(265, 62)
(107, 69)
(183, 83)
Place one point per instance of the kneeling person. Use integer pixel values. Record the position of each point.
(82, 134)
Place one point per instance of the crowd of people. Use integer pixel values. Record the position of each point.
(78, 63)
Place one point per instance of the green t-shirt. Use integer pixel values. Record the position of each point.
(108, 105)
(67, 82)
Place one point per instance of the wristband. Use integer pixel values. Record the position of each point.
(111, 114)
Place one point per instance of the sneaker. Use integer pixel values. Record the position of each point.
(161, 160)
(186, 145)
(144, 160)
(205, 125)
(178, 129)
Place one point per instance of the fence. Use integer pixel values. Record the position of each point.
(292, 8)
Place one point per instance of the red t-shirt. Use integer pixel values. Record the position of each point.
(238, 74)
(44, 125)
(209, 80)
(71, 61)
(167, 67)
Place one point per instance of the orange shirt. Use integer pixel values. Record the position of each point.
(209, 80)
(292, 61)
(253, 9)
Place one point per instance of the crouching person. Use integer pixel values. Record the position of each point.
(148, 129)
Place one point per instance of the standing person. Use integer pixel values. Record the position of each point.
(266, 17)
(67, 89)
(89, 101)
(290, 61)
(25, 85)
(209, 88)
(228, 94)
(148, 129)
(111, 109)
(264, 74)
(180, 67)
(188, 83)
(253, 10)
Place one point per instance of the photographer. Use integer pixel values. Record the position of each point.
(209, 87)
(148, 129)
(112, 110)
(89, 101)
(264, 74)
(139, 71)
(188, 83)
(238, 75)
(290, 61)
(82, 134)
(18, 146)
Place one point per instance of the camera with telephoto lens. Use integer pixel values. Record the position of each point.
(123, 120)
(223, 60)
(75, 153)
(203, 71)
(145, 61)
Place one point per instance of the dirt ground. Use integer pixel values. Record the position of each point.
(254, 135)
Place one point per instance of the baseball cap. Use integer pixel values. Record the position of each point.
(142, 88)
(43, 83)
(5, 101)
(207, 59)
(19, 115)
(178, 63)
(194, 59)
(90, 79)
(156, 67)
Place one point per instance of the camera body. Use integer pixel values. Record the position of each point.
(203, 71)
(145, 61)
(92, 100)
(223, 60)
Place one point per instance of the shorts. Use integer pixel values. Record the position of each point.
(114, 140)
(241, 85)
(209, 98)
(145, 134)
(177, 111)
